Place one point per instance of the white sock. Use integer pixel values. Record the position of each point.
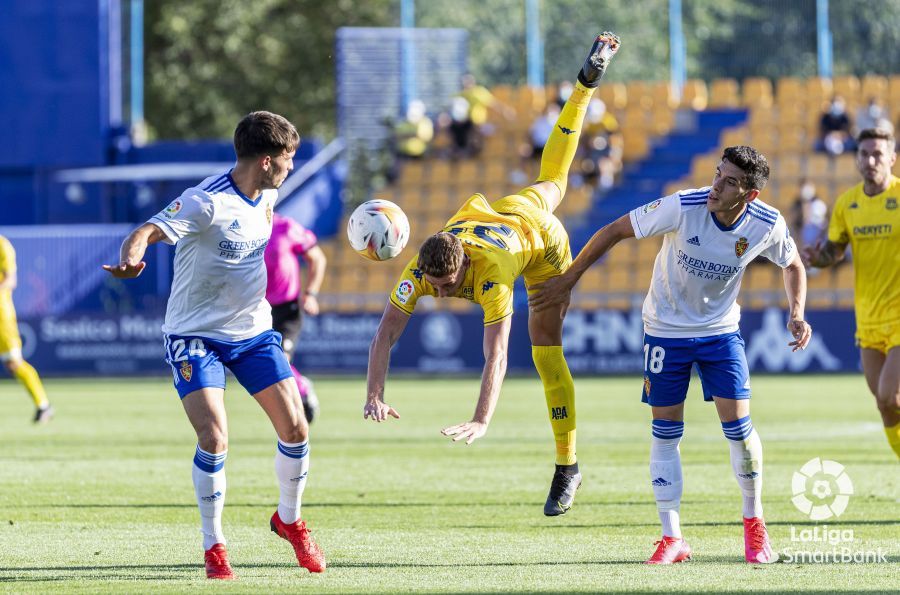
(209, 486)
(665, 473)
(291, 468)
(747, 463)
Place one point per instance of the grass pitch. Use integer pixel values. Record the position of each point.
(101, 499)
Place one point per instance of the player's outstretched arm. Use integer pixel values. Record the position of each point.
(392, 324)
(795, 287)
(496, 348)
(557, 290)
(133, 249)
(823, 255)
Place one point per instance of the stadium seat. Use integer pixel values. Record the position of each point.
(757, 92)
(789, 90)
(663, 98)
(694, 95)
(848, 87)
(640, 94)
(874, 86)
(614, 95)
(894, 95)
(724, 92)
(636, 146)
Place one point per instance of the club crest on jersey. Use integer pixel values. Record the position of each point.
(651, 206)
(891, 203)
(741, 246)
(647, 385)
(404, 291)
(186, 371)
(269, 214)
(173, 208)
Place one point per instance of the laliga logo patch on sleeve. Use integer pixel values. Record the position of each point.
(404, 291)
(651, 206)
(173, 208)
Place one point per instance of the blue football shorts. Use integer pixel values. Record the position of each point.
(720, 360)
(200, 362)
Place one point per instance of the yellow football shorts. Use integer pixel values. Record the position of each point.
(551, 254)
(10, 341)
(880, 337)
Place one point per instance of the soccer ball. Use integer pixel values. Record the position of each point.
(378, 230)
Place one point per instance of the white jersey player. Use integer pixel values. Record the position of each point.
(218, 317)
(691, 317)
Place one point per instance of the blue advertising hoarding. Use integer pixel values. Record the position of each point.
(595, 342)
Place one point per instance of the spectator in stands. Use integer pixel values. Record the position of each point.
(413, 134)
(540, 130)
(468, 129)
(835, 129)
(563, 93)
(601, 158)
(809, 215)
(411, 137)
(463, 133)
(872, 115)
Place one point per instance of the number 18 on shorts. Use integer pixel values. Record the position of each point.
(720, 360)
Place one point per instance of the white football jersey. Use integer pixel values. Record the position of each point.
(697, 273)
(220, 235)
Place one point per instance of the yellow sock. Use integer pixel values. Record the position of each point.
(559, 389)
(563, 142)
(28, 376)
(893, 436)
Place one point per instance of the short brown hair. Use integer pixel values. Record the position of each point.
(876, 134)
(441, 255)
(264, 133)
(753, 163)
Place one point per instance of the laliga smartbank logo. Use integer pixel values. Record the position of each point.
(821, 490)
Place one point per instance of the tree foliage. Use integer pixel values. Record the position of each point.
(210, 61)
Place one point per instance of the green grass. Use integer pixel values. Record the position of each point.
(101, 499)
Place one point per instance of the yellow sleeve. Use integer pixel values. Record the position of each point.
(495, 294)
(837, 227)
(410, 287)
(7, 257)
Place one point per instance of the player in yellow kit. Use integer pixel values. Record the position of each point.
(867, 217)
(478, 255)
(11, 343)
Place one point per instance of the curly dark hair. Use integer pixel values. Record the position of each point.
(441, 255)
(752, 162)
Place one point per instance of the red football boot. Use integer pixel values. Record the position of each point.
(309, 556)
(756, 542)
(670, 550)
(217, 565)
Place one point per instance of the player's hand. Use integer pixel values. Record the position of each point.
(125, 270)
(802, 333)
(814, 256)
(552, 292)
(311, 305)
(378, 410)
(469, 431)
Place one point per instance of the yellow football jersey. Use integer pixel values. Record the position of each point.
(7, 267)
(498, 249)
(871, 225)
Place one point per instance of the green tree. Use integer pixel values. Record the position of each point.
(209, 62)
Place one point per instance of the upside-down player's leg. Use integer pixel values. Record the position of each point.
(563, 142)
(545, 330)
